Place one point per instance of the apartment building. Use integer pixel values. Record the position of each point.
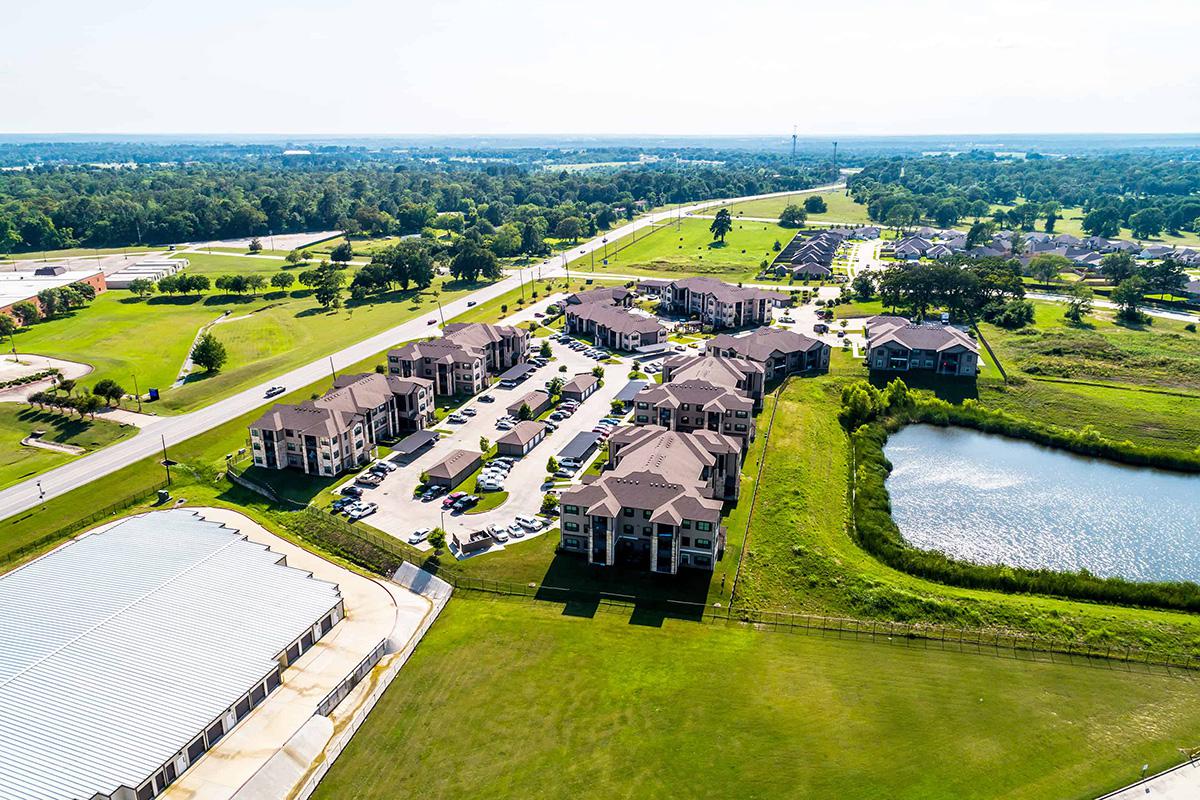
(738, 374)
(614, 326)
(894, 344)
(340, 430)
(718, 304)
(780, 352)
(464, 359)
(710, 459)
(695, 405)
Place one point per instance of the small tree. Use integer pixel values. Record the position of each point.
(110, 390)
(437, 538)
(1127, 295)
(209, 353)
(524, 412)
(815, 204)
(283, 280)
(1079, 303)
(8, 325)
(598, 371)
(26, 312)
(257, 282)
(545, 350)
(485, 444)
(617, 407)
(549, 504)
(793, 216)
(721, 225)
(342, 253)
(292, 258)
(142, 287)
(552, 464)
(255, 245)
(555, 386)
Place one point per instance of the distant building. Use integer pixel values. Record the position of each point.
(18, 287)
(604, 295)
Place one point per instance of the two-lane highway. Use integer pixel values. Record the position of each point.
(148, 442)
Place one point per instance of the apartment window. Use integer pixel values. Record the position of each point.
(627, 529)
(627, 512)
(687, 524)
(704, 544)
(571, 541)
(255, 433)
(686, 541)
(642, 418)
(704, 526)
(570, 509)
(741, 414)
(740, 427)
(571, 526)
(646, 513)
(686, 407)
(702, 561)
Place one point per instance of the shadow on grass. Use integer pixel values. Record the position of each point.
(289, 483)
(61, 428)
(582, 589)
(950, 388)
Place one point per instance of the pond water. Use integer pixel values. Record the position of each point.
(992, 499)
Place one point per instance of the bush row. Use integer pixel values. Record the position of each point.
(34, 378)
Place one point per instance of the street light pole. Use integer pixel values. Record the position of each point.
(137, 393)
(166, 461)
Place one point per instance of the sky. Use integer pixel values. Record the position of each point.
(519, 66)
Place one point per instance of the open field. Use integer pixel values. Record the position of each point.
(1164, 354)
(671, 253)
(1072, 223)
(77, 252)
(18, 462)
(840, 207)
(122, 336)
(568, 705)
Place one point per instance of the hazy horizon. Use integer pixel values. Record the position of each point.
(861, 68)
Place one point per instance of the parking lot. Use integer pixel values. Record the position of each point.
(400, 513)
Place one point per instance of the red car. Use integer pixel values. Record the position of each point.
(451, 498)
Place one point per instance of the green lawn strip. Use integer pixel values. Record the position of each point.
(81, 252)
(573, 706)
(840, 208)
(19, 462)
(801, 556)
(672, 253)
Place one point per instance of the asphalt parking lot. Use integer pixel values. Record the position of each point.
(400, 513)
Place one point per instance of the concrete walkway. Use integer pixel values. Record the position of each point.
(1178, 783)
(31, 364)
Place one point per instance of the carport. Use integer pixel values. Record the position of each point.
(412, 444)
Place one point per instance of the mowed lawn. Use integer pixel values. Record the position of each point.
(840, 208)
(509, 699)
(18, 462)
(690, 250)
(123, 336)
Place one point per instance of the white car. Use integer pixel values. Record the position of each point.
(489, 485)
(504, 425)
(419, 536)
(531, 524)
(363, 510)
(470, 412)
(457, 417)
(516, 531)
(498, 534)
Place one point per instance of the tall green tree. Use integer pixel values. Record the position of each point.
(721, 225)
(209, 353)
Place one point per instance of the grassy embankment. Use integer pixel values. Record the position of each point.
(593, 706)
(18, 462)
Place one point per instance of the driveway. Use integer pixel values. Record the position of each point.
(400, 514)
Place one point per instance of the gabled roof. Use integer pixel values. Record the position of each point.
(715, 369)
(725, 292)
(607, 295)
(923, 337)
(701, 394)
(522, 433)
(580, 383)
(615, 318)
(453, 464)
(764, 343)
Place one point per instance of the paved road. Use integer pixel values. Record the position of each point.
(148, 441)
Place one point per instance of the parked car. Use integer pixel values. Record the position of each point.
(276, 390)
(470, 303)
(470, 412)
(516, 531)
(419, 535)
(564, 474)
(486, 398)
(371, 479)
(342, 503)
(352, 491)
(820, 327)
(551, 425)
(498, 534)
(465, 502)
(489, 485)
(363, 510)
(531, 524)
(450, 498)
(431, 322)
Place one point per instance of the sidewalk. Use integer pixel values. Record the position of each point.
(1181, 782)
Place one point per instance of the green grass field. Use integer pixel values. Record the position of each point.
(840, 208)
(671, 253)
(1164, 354)
(74, 252)
(122, 336)
(507, 699)
(18, 462)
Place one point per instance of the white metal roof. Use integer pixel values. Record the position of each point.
(120, 647)
(18, 286)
